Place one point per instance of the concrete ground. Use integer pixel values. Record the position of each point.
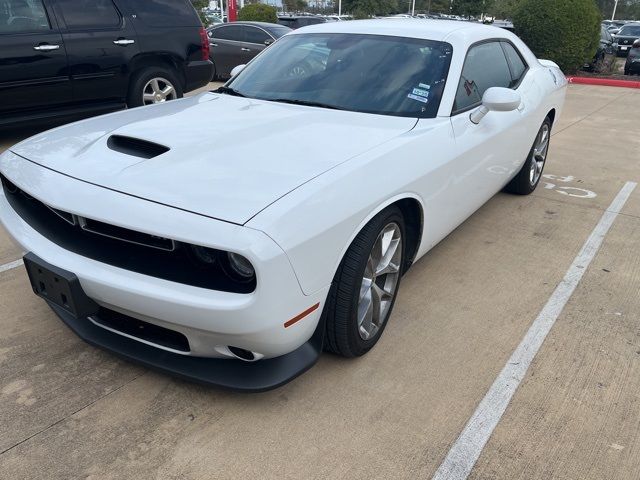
(68, 410)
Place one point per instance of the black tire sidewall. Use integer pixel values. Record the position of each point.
(352, 344)
(140, 79)
(530, 160)
(521, 184)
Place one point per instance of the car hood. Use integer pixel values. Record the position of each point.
(227, 158)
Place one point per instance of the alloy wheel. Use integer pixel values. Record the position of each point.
(380, 281)
(158, 90)
(539, 154)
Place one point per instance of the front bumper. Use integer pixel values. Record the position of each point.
(633, 66)
(623, 50)
(230, 374)
(210, 320)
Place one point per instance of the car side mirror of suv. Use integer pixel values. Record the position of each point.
(237, 69)
(636, 44)
(496, 99)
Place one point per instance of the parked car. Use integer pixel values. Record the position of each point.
(215, 19)
(293, 21)
(237, 43)
(624, 39)
(69, 57)
(506, 24)
(184, 236)
(605, 55)
(632, 65)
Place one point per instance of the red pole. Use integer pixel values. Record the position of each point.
(233, 10)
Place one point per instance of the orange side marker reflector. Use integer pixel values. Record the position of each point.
(301, 315)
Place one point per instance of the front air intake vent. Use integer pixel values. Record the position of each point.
(126, 235)
(135, 146)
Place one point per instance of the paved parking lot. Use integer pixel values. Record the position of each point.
(68, 410)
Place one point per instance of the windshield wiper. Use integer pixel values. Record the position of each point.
(229, 91)
(306, 103)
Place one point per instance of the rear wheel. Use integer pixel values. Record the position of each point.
(529, 175)
(365, 286)
(153, 85)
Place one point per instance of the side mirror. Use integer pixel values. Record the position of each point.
(496, 99)
(268, 42)
(636, 44)
(237, 69)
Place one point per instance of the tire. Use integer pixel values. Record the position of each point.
(527, 180)
(344, 334)
(141, 81)
(599, 65)
(214, 77)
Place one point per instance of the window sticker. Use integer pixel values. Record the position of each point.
(420, 92)
(425, 86)
(418, 98)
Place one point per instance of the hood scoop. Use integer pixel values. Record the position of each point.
(135, 147)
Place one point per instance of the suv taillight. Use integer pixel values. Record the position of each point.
(204, 43)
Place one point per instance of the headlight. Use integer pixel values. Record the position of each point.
(240, 268)
(205, 255)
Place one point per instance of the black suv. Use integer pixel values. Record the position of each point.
(294, 22)
(68, 57)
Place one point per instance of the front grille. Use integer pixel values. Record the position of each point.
(126, 235)
(142, 330)
(128, 249)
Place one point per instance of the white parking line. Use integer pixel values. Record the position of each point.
(10, 265)
(465, 451)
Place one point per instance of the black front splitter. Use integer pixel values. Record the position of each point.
(230, 374)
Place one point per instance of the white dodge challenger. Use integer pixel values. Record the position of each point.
(229, 237)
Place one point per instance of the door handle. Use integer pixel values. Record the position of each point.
(124, 41)
(245, 49)
(213, 44)
(46, 47)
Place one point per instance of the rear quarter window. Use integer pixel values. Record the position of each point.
(89, 14)
(165, 13)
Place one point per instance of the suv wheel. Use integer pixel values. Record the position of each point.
(153, 85)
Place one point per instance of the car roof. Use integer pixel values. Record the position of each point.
(265, 25)
(298, 16)
(427, 29)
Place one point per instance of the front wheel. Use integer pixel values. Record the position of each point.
(365, 286)
(529, 175)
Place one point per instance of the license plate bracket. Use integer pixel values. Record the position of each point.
(59, 287)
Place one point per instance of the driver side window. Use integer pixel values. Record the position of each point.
(485, 66)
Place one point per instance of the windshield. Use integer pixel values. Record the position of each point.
(363, 73)
(630, 30)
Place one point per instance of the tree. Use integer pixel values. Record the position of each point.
(567, 31)
(503, 8)
(471, 8)
(199, 5)
(367, 8)
(294, 5)
(434, 6)
(258, 12)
